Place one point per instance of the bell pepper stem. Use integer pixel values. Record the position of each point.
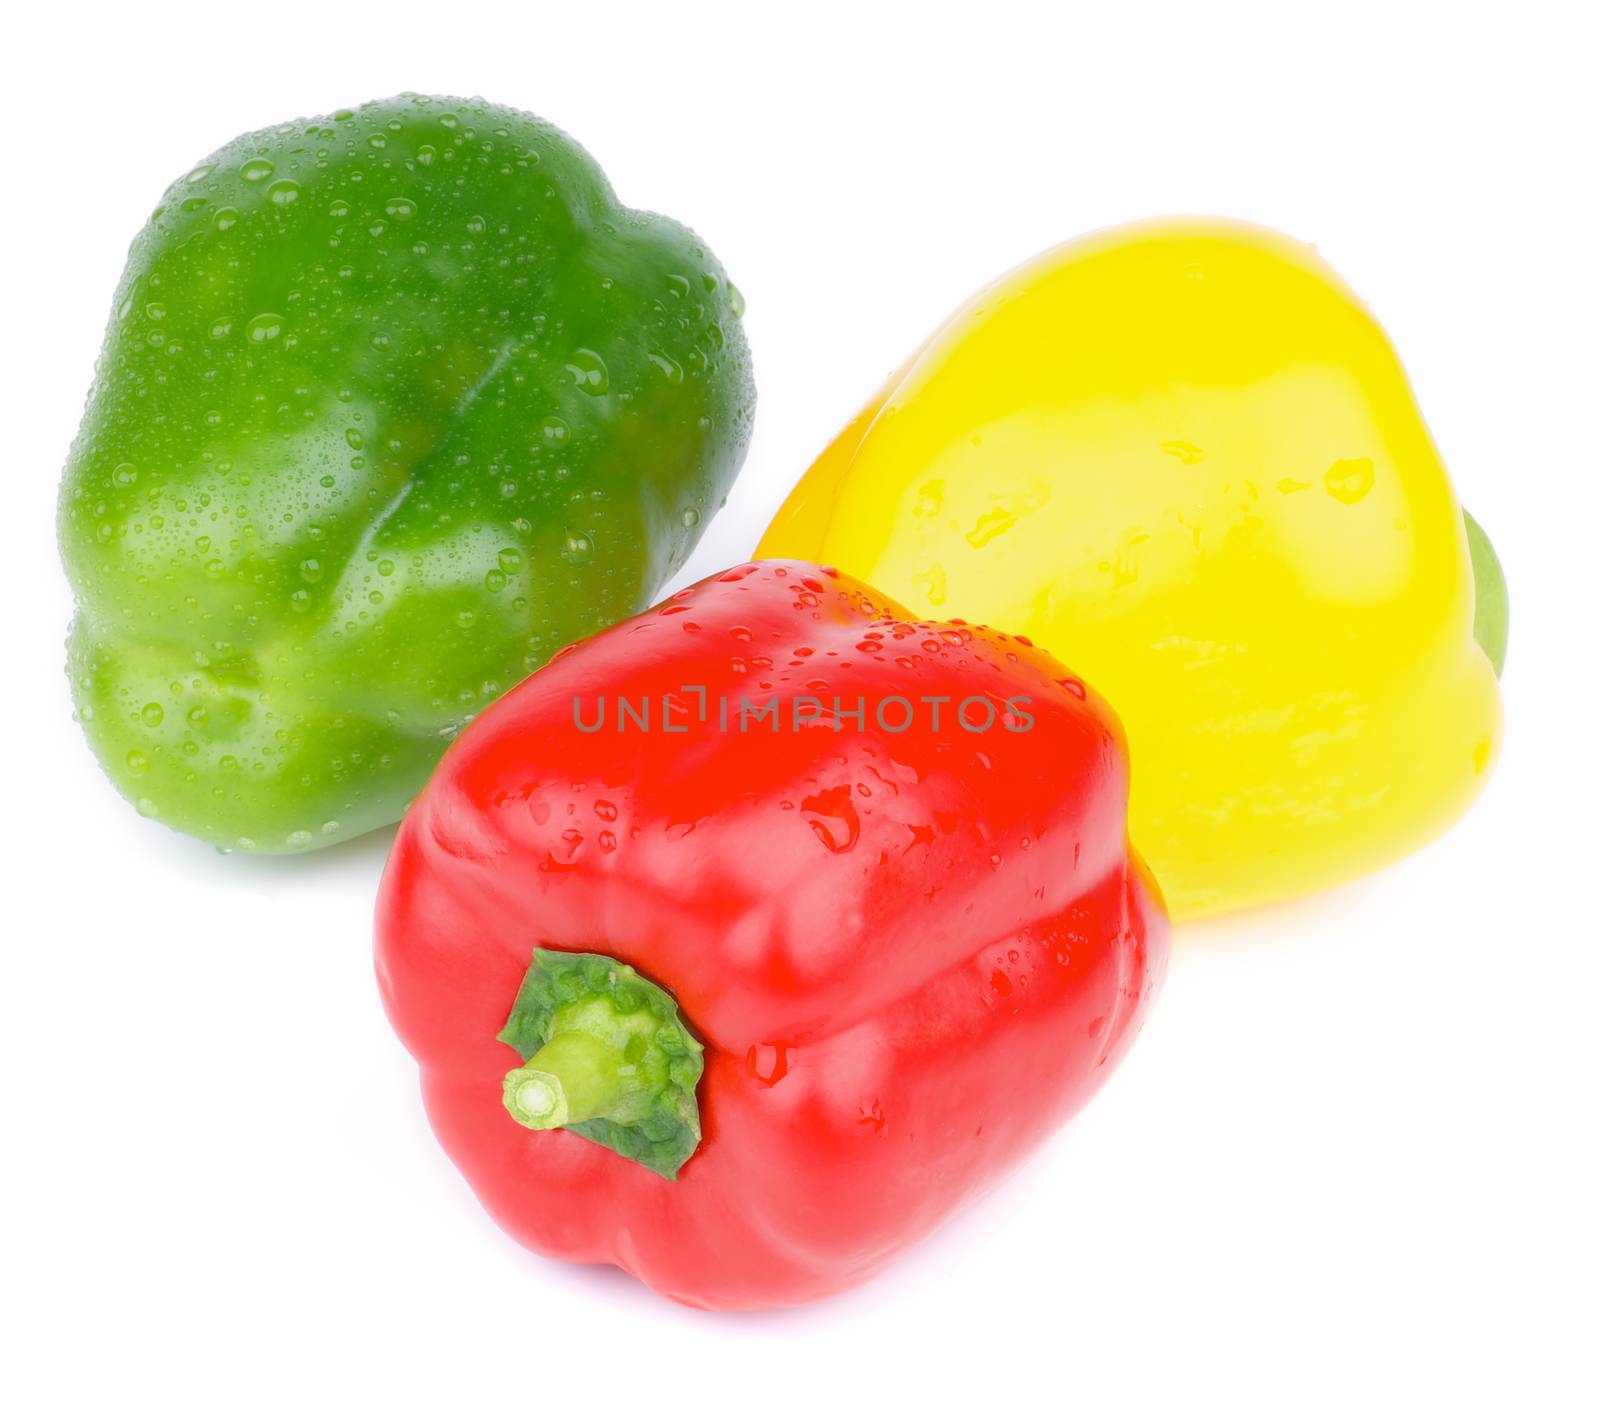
(1491, 624)
(572, 1078)
(605, 1055)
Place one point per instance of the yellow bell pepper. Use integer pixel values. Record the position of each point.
(1184, 458)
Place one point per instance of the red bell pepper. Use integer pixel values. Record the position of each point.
(750, 938)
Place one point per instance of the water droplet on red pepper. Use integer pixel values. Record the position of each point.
(767, 1063)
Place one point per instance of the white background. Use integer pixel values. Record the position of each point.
(1350, 1168)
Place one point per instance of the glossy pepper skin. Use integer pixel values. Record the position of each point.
(904, 957)
(392, 404)
(1183, 457)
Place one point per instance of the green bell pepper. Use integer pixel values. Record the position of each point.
(393, 405)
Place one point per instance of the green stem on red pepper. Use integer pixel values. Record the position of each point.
(607, 1056)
